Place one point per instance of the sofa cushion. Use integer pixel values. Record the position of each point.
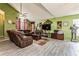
(27, 37)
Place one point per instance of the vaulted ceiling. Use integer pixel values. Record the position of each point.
(47, 10)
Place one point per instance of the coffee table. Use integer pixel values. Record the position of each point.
(36, 36)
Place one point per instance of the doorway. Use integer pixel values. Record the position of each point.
(2, 18)
(76, 22)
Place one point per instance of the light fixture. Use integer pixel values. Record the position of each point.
(21, 14)
(20, 10)
(9, 21)
(21, 19)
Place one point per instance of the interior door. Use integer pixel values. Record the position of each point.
(2, 16)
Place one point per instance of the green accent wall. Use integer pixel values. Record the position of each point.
(10, 14)
(65, 29)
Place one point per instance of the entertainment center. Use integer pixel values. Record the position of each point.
(58, 34)
(46, 26)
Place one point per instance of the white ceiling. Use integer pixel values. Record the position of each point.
(62, 9)
(47, 10)
(36, 11)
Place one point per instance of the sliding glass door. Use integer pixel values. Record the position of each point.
(76, 22)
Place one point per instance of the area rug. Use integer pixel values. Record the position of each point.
(42, 41)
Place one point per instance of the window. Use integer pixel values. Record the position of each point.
(76, 22)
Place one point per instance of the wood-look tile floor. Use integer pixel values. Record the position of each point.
(52, 48)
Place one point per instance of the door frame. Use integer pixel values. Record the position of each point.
(2, 14)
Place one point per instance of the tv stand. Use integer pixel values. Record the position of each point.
(55, 35)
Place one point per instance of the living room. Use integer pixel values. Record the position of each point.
(25, 27)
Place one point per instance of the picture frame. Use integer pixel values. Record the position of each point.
(59, 24)
(65, 23)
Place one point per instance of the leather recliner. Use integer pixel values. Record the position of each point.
(19, 39)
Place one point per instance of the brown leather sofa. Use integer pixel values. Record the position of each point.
(19, 39)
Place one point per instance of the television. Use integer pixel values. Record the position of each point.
(46, 26)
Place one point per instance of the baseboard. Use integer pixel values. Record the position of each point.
(1, 36)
